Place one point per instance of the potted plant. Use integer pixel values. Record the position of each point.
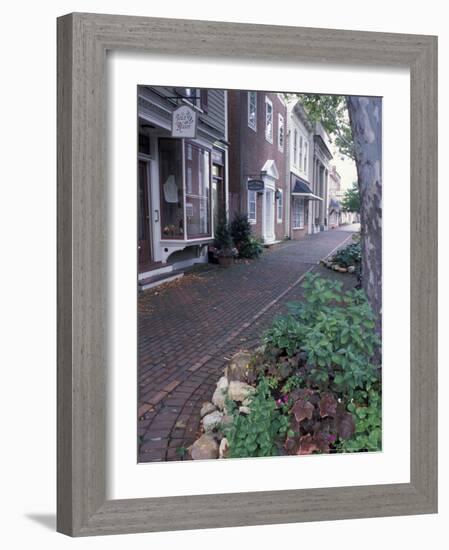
(225, 251)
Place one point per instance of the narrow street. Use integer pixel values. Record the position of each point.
(190, 328)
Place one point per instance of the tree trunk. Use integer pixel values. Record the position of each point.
(365, 114)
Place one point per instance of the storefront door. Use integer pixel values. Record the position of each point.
(144, 237)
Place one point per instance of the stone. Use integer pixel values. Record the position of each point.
(239, 366)
(207, 408)
(223, 448)
(212, 421)
(239, 391)
(204, 448)
(335, 267)
(226, 420)
(351, 269)
(244, 409)
(218, 399)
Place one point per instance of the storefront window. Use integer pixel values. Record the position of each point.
(171, 203)
(197, 192)
(298, 212)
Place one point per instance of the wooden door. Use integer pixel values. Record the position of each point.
(144, 237)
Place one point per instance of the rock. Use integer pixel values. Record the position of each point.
(351, 269)
(218, 399)
(223, 449)
(207, 408)
(342, 270)
(226, 420)
(204, 448)
(239, 366)
(212, 420)
(244, 410)
(239, 391)
(335, 267)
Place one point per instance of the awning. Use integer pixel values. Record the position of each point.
(301, 189)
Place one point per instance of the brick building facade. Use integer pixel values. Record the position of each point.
(258, 151)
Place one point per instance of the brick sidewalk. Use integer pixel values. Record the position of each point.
(188, 330)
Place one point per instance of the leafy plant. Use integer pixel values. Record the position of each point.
(223, 242)
(251, 248)
(240, 229)
(256, 434)
(367, 411)
(349, 255)
(247, 245)
(317, 420)
(335, 330)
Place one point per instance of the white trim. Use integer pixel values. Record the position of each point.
(248, 94)
(270, 103)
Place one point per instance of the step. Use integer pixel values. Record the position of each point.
(160, 279)
(155, 272)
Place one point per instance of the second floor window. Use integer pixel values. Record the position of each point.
(306, 155)
(252, 110)
(268, 120)
(281, 133)
(300, 153)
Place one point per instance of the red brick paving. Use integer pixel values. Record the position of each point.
(189, 329)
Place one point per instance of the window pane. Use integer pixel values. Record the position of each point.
(252, 109)
(170, 172)
(198, 193)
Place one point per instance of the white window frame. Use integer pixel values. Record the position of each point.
(306, 154)
(280, 206)
(252, 194)
(281, 126)
(295, 147)
(301, 143)
(250, 124)
(301, 202)
(269, 136)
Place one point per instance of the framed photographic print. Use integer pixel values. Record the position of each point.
(246, 274)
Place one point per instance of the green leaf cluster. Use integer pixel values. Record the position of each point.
(256, 434)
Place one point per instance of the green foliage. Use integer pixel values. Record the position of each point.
(240, 228)
(251, 248)
(223, 237)
(367, 411)
(256, 434)
(349, 255)
(247, 245)
(331, 111)
(351, 199)
(336, 331)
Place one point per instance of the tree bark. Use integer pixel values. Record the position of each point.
(365, 114)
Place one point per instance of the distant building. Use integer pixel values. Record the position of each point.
(301, 188)
(257, 161)
(337, 216)
(321, 165)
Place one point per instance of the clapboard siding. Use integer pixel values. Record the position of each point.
(158, 102)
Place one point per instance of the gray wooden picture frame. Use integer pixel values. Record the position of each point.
(83, 40)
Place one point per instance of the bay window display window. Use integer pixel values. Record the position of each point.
(171, 188)
(198, 213)
(298, 212)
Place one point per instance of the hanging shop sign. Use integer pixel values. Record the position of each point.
(184, 122)
(256, 185)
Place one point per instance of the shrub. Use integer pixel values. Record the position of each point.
(247, 245)
(240, 229)
(317, 389)
(223, 238)
(335, 329)
(349, 255)
(252, 248)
